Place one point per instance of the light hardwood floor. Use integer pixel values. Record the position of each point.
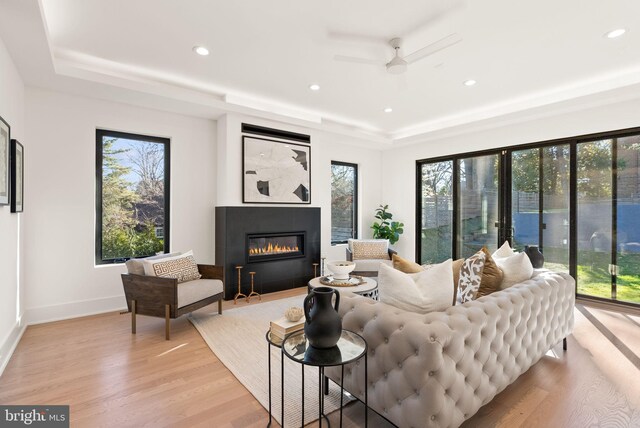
(111, 378)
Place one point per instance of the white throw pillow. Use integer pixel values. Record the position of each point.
(149, 262)
(422, 292)
(504, 251)
(516, 268)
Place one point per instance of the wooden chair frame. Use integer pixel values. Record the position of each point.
(158, 297)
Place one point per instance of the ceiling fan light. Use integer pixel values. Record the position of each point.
(397, 65)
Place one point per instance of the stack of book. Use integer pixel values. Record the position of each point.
(282, 327)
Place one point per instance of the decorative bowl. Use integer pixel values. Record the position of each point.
(341, 268)
(293, 314)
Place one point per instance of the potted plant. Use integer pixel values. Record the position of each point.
(386, 228)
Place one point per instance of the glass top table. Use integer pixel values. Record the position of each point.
(349, 348)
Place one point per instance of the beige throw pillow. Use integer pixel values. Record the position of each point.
(422, 292)
(183, 268)
(491, 276)
(368, 250)
(404, 265)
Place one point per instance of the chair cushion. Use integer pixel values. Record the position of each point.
(426, 291)
(350, 242)
(370, 249)
(193, 291)
(183, 268)
(371, 265)
(136, 266)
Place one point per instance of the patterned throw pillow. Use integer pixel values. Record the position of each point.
(182, 268)
(470, 277)
(367, 250)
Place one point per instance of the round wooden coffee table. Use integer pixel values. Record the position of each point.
(368, 289)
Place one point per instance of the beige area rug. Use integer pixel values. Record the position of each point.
(238, 340)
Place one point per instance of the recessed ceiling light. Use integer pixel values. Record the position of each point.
(314, 87)
(615, 33)
(469, 82)
(388, 110)
(201, 50)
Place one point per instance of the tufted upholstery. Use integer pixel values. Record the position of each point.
(438, 369)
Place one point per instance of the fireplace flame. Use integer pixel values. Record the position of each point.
(272, 249)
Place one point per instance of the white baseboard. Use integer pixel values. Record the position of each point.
(9, 345)
(77, 309)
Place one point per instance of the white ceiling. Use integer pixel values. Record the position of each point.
(265, 53)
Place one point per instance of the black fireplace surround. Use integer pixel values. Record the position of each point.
(280, 244)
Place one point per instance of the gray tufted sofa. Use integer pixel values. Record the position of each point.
(438, 369)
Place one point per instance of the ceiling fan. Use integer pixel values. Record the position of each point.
(399, 64)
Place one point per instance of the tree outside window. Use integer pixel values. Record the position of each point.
(344, 202)
(132, 196)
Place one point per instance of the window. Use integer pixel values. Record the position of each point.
(344, 202)
(132, 196)
(577, 199)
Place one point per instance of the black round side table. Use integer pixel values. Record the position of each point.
(351, 347)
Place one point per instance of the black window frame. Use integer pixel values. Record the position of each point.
(100, 134)
(505, 220)
(355, 199)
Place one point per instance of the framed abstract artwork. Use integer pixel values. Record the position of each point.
(275, 172)
(5, 138)
(17, 176)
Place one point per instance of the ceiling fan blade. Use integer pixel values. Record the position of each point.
(357, 38)
(441, 44)
(354, 59)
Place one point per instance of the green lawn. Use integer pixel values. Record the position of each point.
(596, 281)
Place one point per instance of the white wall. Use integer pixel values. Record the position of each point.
(325, 147)
(11, 225)
(61, 278)
(399, 165)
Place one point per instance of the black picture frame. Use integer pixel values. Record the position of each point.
(277, 161)
(17, 176)
(5, 177)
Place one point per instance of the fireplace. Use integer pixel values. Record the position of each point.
(279, 244)
(274, 246)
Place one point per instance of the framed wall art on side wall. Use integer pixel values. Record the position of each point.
(17, 176)
(5, 138)
(275, 172)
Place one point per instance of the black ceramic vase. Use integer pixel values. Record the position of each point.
(323, 325)
(536, 257)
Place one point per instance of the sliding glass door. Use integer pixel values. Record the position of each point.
(594, 217)
(540, 183)
(627, 207)
(436, 222)
(577, 199)
(477, 203)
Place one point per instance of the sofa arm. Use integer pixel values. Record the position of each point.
(211, 272)
(151, 293)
